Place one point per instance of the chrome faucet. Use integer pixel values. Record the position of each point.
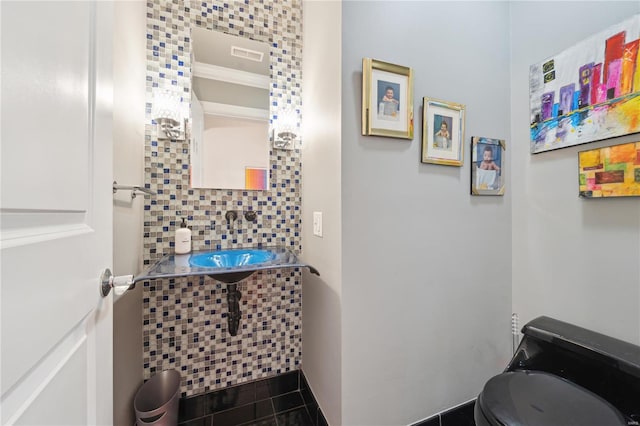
(231, 217)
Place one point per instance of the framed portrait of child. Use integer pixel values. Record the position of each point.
(387, 99)
(487, 166)
(442, 132)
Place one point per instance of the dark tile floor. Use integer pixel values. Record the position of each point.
(276, 401)
(283, 400)
(459, 416)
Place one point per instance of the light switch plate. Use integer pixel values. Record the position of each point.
(317, 224)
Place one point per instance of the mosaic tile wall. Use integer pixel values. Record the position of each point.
(185, 324)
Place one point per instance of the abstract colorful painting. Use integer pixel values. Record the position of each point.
(589, 92)
(613, 171)
(255, 178)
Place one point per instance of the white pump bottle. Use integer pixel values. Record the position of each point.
(183, 239)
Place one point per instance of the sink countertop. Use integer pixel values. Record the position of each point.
(178, 265)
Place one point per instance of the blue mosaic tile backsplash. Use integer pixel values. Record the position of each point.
(185, 324)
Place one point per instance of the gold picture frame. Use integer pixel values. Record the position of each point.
(387, 99)
(442, 132)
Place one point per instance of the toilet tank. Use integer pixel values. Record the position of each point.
(606, 366)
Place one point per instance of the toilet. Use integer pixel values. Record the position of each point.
(563, 375)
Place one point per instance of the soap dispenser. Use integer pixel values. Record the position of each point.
(183, 238)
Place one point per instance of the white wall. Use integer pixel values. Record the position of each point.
(575, 260)
(229, 145)
(321, 177)
(128, 134)
(426, 283)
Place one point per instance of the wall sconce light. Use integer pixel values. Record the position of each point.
(167, 112)
(285, 130)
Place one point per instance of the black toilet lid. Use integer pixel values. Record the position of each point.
(535, 398)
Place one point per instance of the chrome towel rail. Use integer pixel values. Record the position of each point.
(135, 189)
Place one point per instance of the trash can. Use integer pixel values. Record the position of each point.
(156, 402)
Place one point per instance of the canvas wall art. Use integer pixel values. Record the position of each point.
(588, 92)
(613, 171)
(256, 178)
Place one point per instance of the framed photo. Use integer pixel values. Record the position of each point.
(613, 171)
(387, 99)
(442, 132)
(487, 166)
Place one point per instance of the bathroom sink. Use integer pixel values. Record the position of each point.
(229, 266)
(231, 258)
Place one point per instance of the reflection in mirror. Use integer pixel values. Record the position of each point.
(229, 111)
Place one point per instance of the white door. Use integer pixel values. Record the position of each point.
(56, 212)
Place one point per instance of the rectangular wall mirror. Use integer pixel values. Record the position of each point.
(229, 147)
